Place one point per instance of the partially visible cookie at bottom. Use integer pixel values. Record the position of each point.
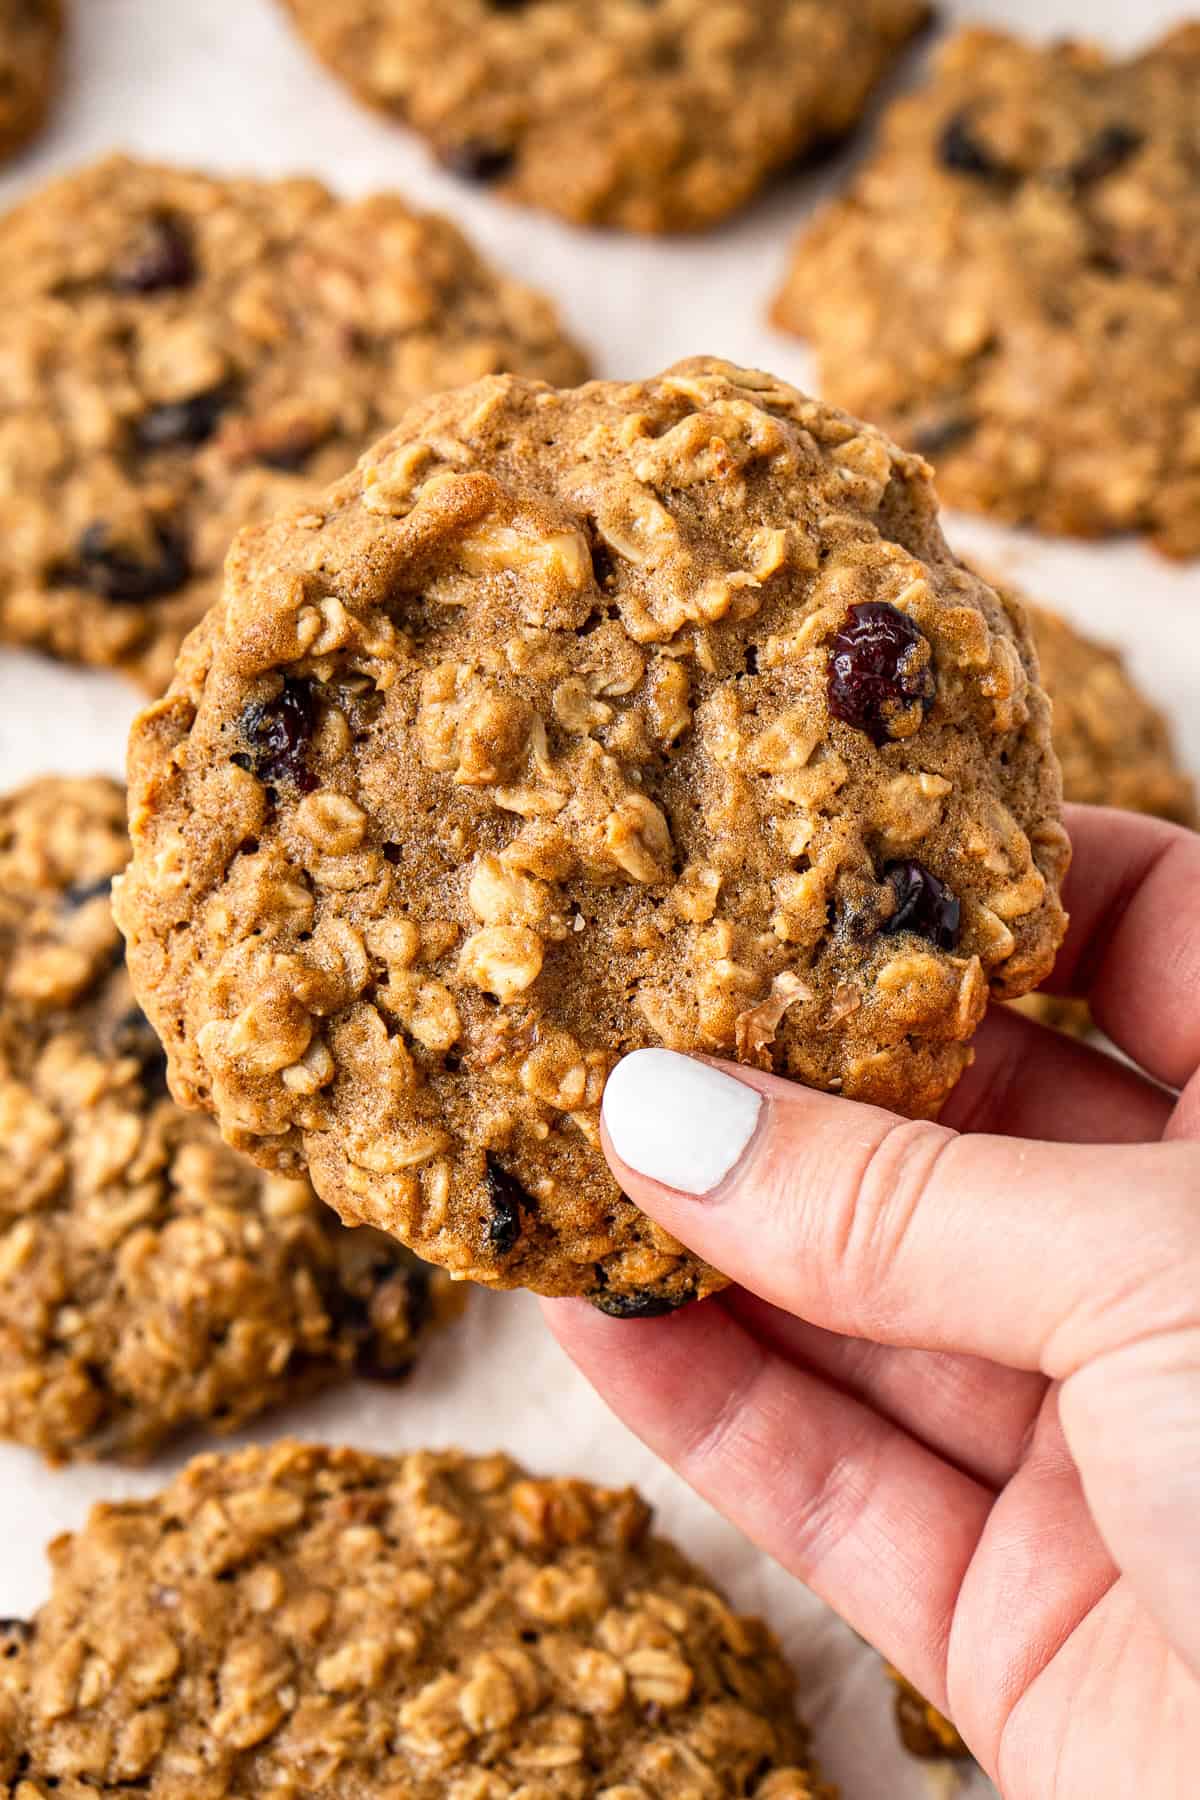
(322, 1622)
(152, 1281)
(31, 34)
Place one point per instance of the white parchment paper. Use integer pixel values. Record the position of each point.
(223, 84)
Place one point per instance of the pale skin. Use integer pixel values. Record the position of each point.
(956, 1388)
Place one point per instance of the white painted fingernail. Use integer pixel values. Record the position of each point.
(679, 1121)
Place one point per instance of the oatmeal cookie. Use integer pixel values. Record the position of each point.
(308, 1621)
(571, 723)
(612, 112)
(1013, 285)
(31, 33)
(183, 354)
(1115, 746)
(1116, 749)
(151, 1280)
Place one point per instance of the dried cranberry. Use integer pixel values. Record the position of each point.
(129, 577)
(960, 150)
(87, 891)
(277, 734)
(641, 1303)
(190, 421)
(879, 669)
(479, 159)
(509, 1202)
(924, 905)
(14, 1635)
(386, 1319)
(1109, 151)
(161, 258)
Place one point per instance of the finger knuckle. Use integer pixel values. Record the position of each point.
(880, 1202)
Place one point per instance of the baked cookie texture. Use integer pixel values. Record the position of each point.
(31, 34)
(571, 723)
(1115, 745)
(1116, 749)
(152, 1281)
(322, 1623)
(1012, 286)
(183, 354)
(611, 112)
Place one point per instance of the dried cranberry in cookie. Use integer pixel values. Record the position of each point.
(646, 713)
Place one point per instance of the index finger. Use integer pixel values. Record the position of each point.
(1133, 949)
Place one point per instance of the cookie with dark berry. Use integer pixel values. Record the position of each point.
(183, 354)
(571, 723)
(1012, 285)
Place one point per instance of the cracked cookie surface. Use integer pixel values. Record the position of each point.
(571, 723)
(152, 1281)
(183, 354)
(612, 112)
(31, 33)
(1012, 286)
(322, 1623)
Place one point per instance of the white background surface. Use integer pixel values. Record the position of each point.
(221, 83)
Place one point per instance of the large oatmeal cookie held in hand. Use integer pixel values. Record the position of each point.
(571, 723)
(307, 1621)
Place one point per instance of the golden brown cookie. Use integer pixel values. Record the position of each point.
(31, 34)
(1012, 286)
(329, 1625)
(1116, 749)
(182, 354)
(611, 112)
(1115, 746)
(570, 723)
(151, 1280)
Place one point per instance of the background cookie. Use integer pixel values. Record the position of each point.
(1013, 285)
(182, 354)
(151, 1280)
(433, 1626)
(655, 118)
(31, 34)
(567, 724)
(1115, 746)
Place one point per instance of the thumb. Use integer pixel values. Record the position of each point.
(1035, 1255)
(1080, 1261)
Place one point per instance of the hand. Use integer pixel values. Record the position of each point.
(957, 1387)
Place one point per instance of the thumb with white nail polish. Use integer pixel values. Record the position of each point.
(677, 1121)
